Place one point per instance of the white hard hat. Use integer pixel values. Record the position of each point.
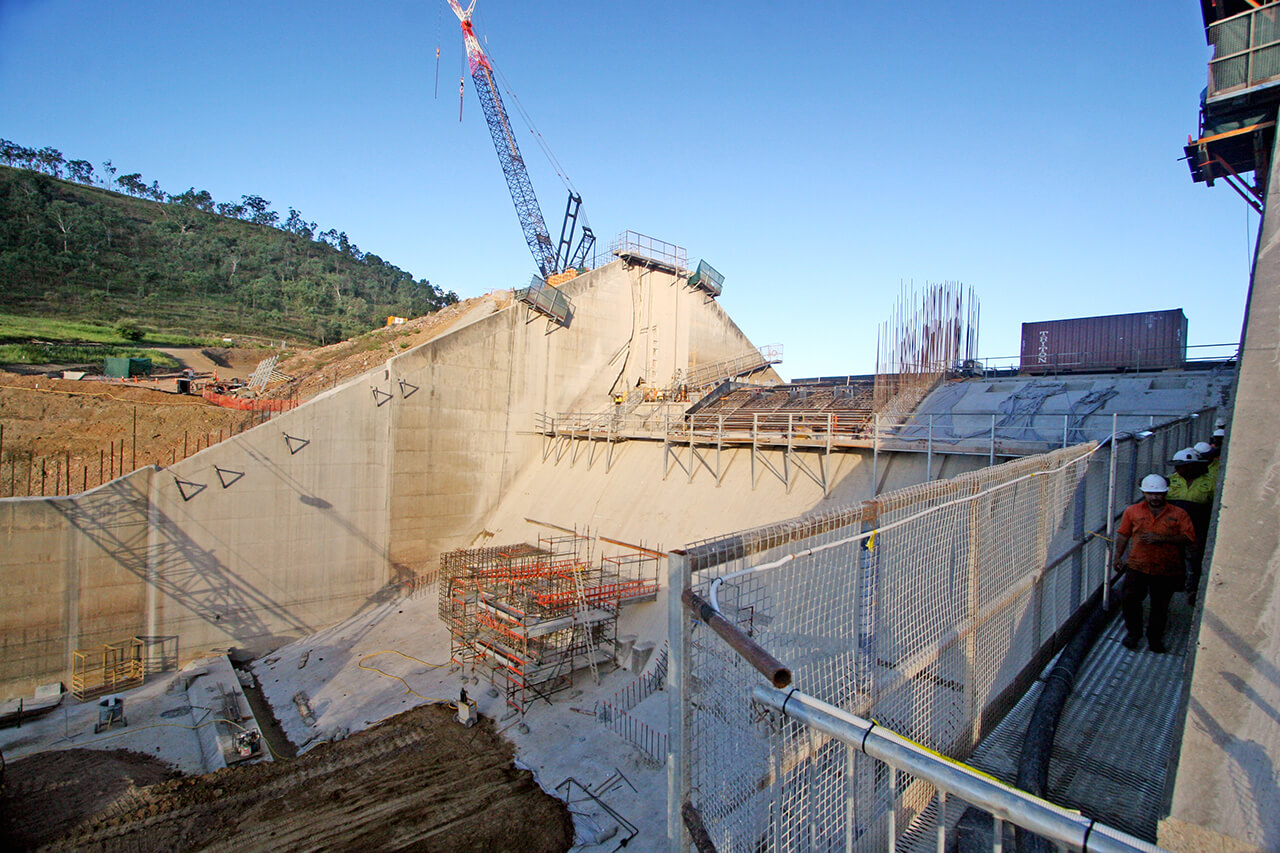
(1220, 423)
(1186, 454)
(1203, 447)
(1219, 433)
(1154, 483)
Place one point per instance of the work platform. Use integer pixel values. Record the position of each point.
(793, 430)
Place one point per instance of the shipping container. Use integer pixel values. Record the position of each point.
(1151, 340)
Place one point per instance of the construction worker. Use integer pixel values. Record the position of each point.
(1192, 489)
(1156, 564)
(1215, 455)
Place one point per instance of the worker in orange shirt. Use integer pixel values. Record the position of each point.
(1160, 533)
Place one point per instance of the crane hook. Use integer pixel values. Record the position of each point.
(460, 91)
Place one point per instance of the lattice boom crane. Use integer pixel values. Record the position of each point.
(549, 258)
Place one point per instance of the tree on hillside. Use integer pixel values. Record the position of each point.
(109, 170)
(197, 200)
(80, 171)
(132, 184)
(12, 153)
(295, 224)
(51, 160)
(257, 209)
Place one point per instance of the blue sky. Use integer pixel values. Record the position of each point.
(818, 155)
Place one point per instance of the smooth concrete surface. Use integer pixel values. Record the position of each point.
(1226, 792)
(457, 458)
(1037, 408)
(73, 571)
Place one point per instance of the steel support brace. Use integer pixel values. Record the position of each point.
(719, 448)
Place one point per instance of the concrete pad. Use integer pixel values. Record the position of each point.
(169, 717)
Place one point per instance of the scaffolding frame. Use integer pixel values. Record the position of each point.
(533, 615)
(109, 669)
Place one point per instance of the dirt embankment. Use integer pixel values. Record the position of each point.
(320, 369)
(50, 423)
(418, 781)
(73, 435)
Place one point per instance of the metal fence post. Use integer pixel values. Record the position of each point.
(677, 720)
(1111, 515)
(991, 457)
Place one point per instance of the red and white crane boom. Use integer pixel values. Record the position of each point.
(549, 258)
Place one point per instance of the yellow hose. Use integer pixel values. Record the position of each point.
(408, 689)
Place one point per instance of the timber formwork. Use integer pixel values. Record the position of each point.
(532, 616)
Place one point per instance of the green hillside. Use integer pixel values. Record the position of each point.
(182, 265)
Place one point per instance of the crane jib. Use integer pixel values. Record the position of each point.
(546, 255)
(527, 208)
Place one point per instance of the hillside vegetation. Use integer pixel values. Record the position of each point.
(182, 264)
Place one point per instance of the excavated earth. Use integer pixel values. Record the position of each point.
(47, 424)
(418, 781)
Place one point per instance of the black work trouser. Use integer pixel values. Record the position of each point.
(1195, 553)
(1137, 585)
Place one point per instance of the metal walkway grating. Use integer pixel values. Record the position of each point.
(1116, 734)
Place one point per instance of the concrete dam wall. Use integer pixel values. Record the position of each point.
(302, 521)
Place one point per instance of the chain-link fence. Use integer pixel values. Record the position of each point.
(930, 609)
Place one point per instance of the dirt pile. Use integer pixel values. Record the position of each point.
(418, 781)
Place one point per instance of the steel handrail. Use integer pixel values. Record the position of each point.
(1004, 802)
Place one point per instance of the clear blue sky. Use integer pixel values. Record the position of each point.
(817, 154)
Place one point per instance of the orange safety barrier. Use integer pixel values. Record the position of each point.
(226, 401)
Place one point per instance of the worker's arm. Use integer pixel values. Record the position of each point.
(1179, 538)
(1117, 559)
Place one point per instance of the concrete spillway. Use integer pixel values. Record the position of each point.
(302, 521)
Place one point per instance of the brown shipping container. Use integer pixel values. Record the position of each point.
(1147, 341)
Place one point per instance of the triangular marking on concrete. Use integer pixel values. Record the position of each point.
(407, 385)
(183, 485)
(380, 396)
(295, 444)
(225, 480)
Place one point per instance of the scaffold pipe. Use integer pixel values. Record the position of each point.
(764, 663)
